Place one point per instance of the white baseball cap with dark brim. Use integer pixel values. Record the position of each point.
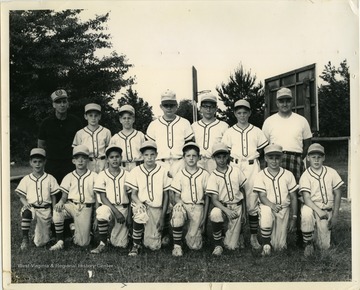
(58, 94)
(220, 148)
(284, 93)
(273, 149)
(113, 148)
(191, 145)
(92, 107)
(127, 108)
(37, 152)
(316, 148)
(81, 150)
(168, 97)
(148, 145)
(242, 103)
(208, 97)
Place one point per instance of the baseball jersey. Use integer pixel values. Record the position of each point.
(244, 143)
(277, 188)
(206, 135)
(149, 184)
(96, 141)
(321, 186)
(227, 185)
(170, 137)
(287, 132)
(191, 186)
(38, 190)
(129, 144)
(113, 186)
(79, 188)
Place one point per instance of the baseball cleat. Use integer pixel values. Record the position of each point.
(217, 251)
(266, 250)
(309, 250)
(135, 250)
(254, 242)
(100, 248)
(177, 251)
(58, 246)
(165, 241)
(24, 245)
(242, 241)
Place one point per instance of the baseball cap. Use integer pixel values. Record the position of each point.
(127, 108)
(168, 97)
(283, 93)
(208, 97)
(92, 107)
(112, 148)
(81, 150)
(191, 145)
(273, 149)
(147, 145)
(316, 148)
(242, 103)
(219, 148)
(58, 94)
(37, 151)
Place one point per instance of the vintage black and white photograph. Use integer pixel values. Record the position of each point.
(209, 143)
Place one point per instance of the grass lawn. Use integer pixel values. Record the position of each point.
(39, 265)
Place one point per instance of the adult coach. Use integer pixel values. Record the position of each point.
(56, 135)
(291, 131)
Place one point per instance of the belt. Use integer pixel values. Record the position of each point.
(237, 161)
(297, 154)
(86, 204)
(327, 209)
(41, 207)
(94, 158)
(164, 159)
(126, 205)
(238, 203)
(136, 162)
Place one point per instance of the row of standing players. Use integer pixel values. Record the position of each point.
(240, 146)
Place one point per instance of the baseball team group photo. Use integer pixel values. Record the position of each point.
(247, 182)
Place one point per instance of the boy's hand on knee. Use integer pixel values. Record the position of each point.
(59, 206)
(332, 222)
(119, 217)
(160, 224)
(276, 207)
(231, 214)
(322, 214)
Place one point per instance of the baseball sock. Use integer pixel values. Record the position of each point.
(137, 232)
(103, 230)
(59, 229)
(177, 235)
(25, 223)
(254, 223)
(266, 235)
(217, 230)
(307, 237)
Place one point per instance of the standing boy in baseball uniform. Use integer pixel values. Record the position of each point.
(114, 197)
(224, 187)
(95, 137)
(149, 183)
(320, 186)
(170, 132)
(37, 194)
(78, 200)
(208, 131)
(277, 188)
(245, 142)
(189, 185)
(128, 138)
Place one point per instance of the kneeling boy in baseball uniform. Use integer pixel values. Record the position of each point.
(149, 199)
(320, 187)
(77, 201)
(37, 194)
(189, 185)
(276, 187)
(224, 186)
(110, 186)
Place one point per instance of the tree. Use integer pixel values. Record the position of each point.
(185, 110)
(143, 112)
(242, 85)
(51, 50)
(334, 101)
